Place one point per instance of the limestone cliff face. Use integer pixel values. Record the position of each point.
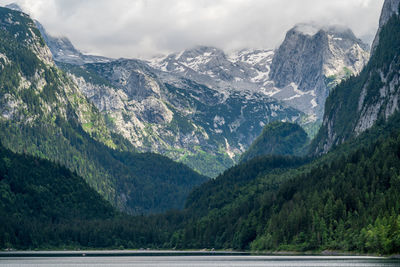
(205, 106)
(166, 113)
(33, 85)
(313, 59)
(356, 105)
(390, 7)
(47, 113)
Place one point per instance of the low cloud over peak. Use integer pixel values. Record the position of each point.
(143, 28)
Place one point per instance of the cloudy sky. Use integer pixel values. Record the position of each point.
(143, 28)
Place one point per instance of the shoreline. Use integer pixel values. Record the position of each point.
(172, 253)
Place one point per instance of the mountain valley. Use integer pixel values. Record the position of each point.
(203, 107)
(303, 142)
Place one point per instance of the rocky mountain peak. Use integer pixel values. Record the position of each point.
(62, 49)
(357, 104)
(312, 29)
(305, 29)
(308, 43)
(311, 60)
(390, 7)
(203, 51)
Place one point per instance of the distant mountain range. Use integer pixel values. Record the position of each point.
(203, 107)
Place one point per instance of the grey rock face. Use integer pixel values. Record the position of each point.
(390, 7)
(311, 60)
(202, 100)
(372, 96)
(64, 51)
(201, 63)
(161, 112)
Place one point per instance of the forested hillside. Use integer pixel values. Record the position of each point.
(278, 138)
(44, 205)
(35, 191)
(43, 113)
(346, 200)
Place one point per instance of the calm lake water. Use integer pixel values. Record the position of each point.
(198, 261)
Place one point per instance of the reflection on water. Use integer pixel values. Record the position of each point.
(199, 261)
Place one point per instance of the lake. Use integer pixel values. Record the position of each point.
(190, 260)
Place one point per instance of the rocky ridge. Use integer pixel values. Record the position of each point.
(311, 61)
(44, 113)
(390, 7)
(188, 121)
(300, 73)
(356, 106)
(202, 105)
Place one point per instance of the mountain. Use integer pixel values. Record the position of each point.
(182, 85)
(61, 47)
(389, 9)
(164, 105)
(63, 50)
(170, 114)
(344, 200)
(43, 113)
(33, 191)
(210, 66)
(285, 74)
(311, 61)
(339, 202)
(357, 104)
(43, 205)
(35, 188)
(278, 138)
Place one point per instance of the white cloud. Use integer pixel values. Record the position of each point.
(142, 28)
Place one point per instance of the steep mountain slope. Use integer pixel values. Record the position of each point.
(278, 138)
(389, 8)
(167, 108)
(347, 200)
(43, 113)
(34, 187)
(33, 190)
(45, 206)
(357, 104)
(63, 50)
(311, 60)
(187, 121)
